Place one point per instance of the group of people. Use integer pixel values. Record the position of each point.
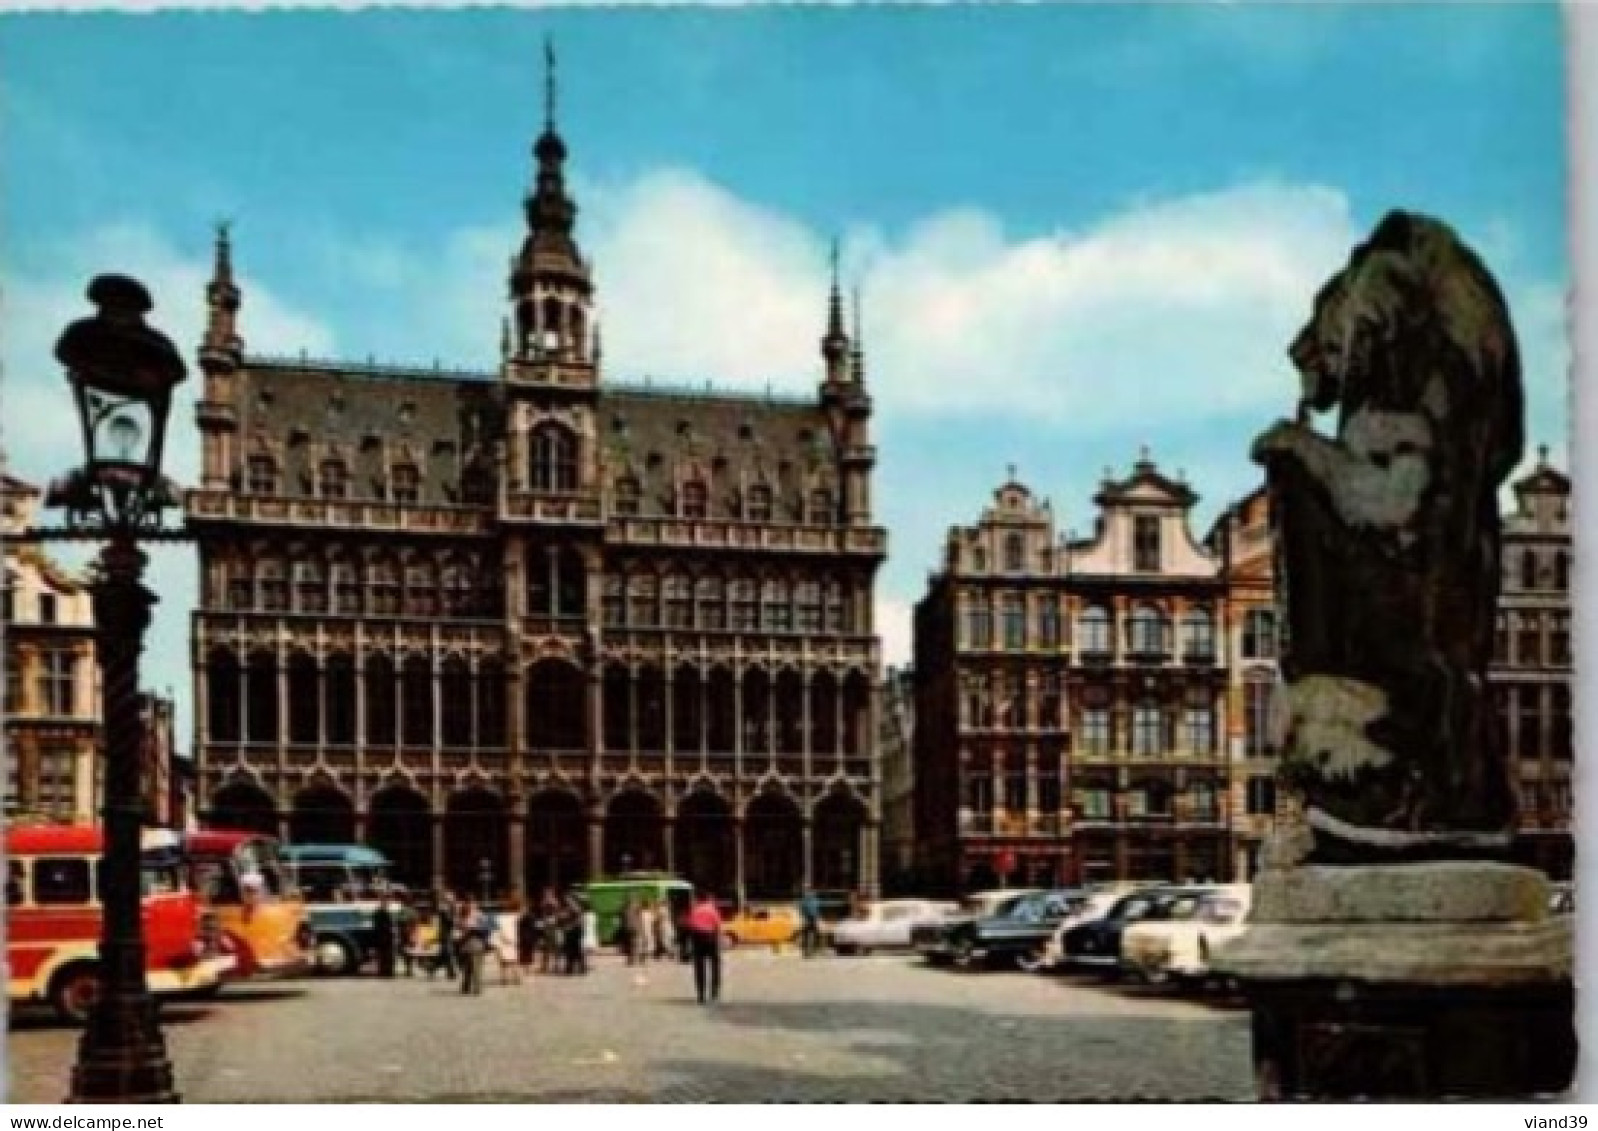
(555, 935)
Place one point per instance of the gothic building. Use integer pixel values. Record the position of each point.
(538, 622)
(1070, 695)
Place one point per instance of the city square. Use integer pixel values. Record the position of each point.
(828, 1029)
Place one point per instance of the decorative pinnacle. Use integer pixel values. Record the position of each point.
(1542, 455)
(1010, 468)
(549, 84)
(224, 251)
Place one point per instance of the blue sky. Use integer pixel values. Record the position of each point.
(1076, 229)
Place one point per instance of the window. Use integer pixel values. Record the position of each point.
(385, 590)
(1096, 731)
(1528, 569)
(1559, 737)
(1146, 544)
(1562, 571)
(406, 486)
(61, 880)
(980, 621)
(1049, 623)
(262, 475)
(679, 602)
(346, 589)
(47, 608)
(1531, 722)
(1049, 794)
(310, 594)
(1146, 632)
(1528, 641)
(979, 794)
(1051, 701)
(1093, 630)
(745, 607)
(642, 611)
(612, 609)
(421, 591)
(808, 597)
(1198, 723)
(1198, 636)
(1501, 638)
(625, 501)
(1261, 799)
(240, 587)
(1257, 716)
(757, 506)
(1204, 802)
(1014, 623)
(335, 479)
(822, 510)
(1096, 804)
(1559, 640)
(693, 502)
(979, 560)
(1147, 725)
(775, 613)
(16, 883)
(1015, 791)
(56, 682)
(554, 459)
(712, 612)
(1259, 635)
(1014, 553)
(274, 588)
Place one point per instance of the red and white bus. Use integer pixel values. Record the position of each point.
(53, 917)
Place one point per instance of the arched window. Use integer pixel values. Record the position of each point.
(310, 590)
(346, 589)
(417, 693)
(1146, 632)
(679, 602)
(305, 700)
(1094, 630)
(643, 608)
(379, 679)
(757, 505)
(274, 587)
(692, 501)
(711, 611)
(340, 700)
(385, 589)
(553, 459)
(221, 696)
(1014, 553)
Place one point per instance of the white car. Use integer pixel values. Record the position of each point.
(1178, 946)
(884, 925)
(1053, 957)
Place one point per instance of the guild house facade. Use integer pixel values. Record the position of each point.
(1070, 695)
(526, 627)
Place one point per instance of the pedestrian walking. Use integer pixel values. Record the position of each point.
(665, 931)
(810, 922)
(473, 944)
(384, 937)
(627, 928)
(527, 937)
(590, 927)
(644, 938)
(446, 935)
(571, 926)
(405, 934)
(552, 934)
(704, 930)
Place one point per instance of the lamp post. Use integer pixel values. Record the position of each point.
(122, 374)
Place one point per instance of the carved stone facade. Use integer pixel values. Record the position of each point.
(52, 692)
(1531, 675)
(1071, 696)
(536, 622)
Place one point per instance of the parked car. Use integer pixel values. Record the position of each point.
(933, 939)
(1095, 906)
(885, 925)
(1096, 945)
(1016, 933)
(1562, 899)
(1176, 944)
(761, 926)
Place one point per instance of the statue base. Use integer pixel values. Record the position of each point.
(1407, 982)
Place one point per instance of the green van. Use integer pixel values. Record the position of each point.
(608, 897)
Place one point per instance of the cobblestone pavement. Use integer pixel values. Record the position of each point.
(882, 1028)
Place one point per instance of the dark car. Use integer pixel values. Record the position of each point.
(1097, 945)
(934, 939)
(1017, 932)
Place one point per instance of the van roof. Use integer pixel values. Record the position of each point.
(333, 854)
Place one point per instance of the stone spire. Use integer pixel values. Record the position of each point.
(835, 343)
(221, 343)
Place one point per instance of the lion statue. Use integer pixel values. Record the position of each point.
(1388, 542)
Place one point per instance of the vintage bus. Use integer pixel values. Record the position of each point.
(241, 879)
(54, 913)
(341, 884)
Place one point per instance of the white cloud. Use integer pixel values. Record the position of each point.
(895, 621)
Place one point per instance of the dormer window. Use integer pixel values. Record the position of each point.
(406, 484)
(335, 479)
(757, 507)
(262, 475)
(626, 499)
(1146, 544)
(693, 502)
(47, 608)
(554, 459)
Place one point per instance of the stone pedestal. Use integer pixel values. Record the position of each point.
(1411, 981)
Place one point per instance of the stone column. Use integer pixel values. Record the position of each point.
(668, 830)
(738, 858)
(807, 832)
(596, 846)
(439, 871)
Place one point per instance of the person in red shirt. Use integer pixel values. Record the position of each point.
(704, 932)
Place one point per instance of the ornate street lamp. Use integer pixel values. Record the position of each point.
(122, 374)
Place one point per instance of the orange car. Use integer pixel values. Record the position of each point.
(760, 926)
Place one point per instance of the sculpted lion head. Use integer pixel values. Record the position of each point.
(1414, 302)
